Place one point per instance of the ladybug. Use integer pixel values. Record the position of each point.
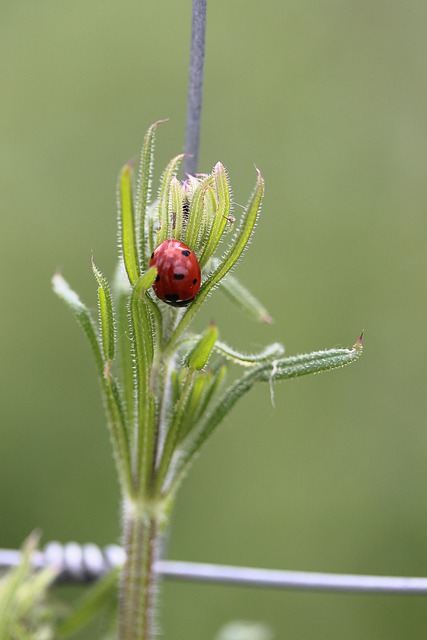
(178, 273)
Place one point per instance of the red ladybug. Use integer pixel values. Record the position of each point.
(178, 273)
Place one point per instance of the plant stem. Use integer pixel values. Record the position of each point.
(138, 582)
(195, 87)
(142, 521)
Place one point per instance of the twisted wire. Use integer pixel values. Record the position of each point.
(88, 562)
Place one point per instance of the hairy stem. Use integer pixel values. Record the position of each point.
(138, 582)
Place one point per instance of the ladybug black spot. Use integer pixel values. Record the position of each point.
(186, 253)
(152, 256)
(157, 278)
(178, 276)
(195, 280)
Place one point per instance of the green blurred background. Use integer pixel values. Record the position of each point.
(329, 99)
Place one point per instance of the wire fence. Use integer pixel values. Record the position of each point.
(88, 562)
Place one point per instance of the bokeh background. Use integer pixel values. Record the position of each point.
(329, 99)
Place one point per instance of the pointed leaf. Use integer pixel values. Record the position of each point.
(177, 208)
(243, 234)
(244, 299)
(241, 239)
(284, 368)
(222, 190)
(141, 321)
(115, 414)
(215, 383)
(199, 356)
(81, 313)
(122, 292)
(119, 433)
(145, 175)
(106, 314)
(10, 585)
(144, 342)
(22, 590)
(195, 216)
(127, 224)
(209, 217)
(274, 350)
(165, 223)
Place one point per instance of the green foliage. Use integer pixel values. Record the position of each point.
(106, 315)
(95, 600)
(162, 385)
(157, 381)
(198, 358)
(244, 299)
(24, 611)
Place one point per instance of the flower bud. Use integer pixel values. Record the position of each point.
(199, 356)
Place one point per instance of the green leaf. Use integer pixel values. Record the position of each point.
(244, 299)
(31, 602)
(173, 433)
(209, 217)
(233, 254)
(9, 586)
(281, 369)
(22, 592)
(141, 323)
(177, 208)
(156, 319)
(144, 342)
(222, 190)
(106, 314)
(210, 391)
(127, 224)
(82, 315)
(165, 185)
(175, 381)
(91, 604)
(199, 356)
(274, 350)
(115, 414)
(122, 292)
(195, 216)
(242, 237)
(194, 401)
(119, 433)
(145, 175)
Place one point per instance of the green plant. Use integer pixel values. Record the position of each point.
(163, 385)
(25, 613)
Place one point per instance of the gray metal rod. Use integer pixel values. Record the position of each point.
(303, 580)
(195, 87)
(85, 563)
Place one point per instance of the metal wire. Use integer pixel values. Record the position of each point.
(195, 87)
(88, 562)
